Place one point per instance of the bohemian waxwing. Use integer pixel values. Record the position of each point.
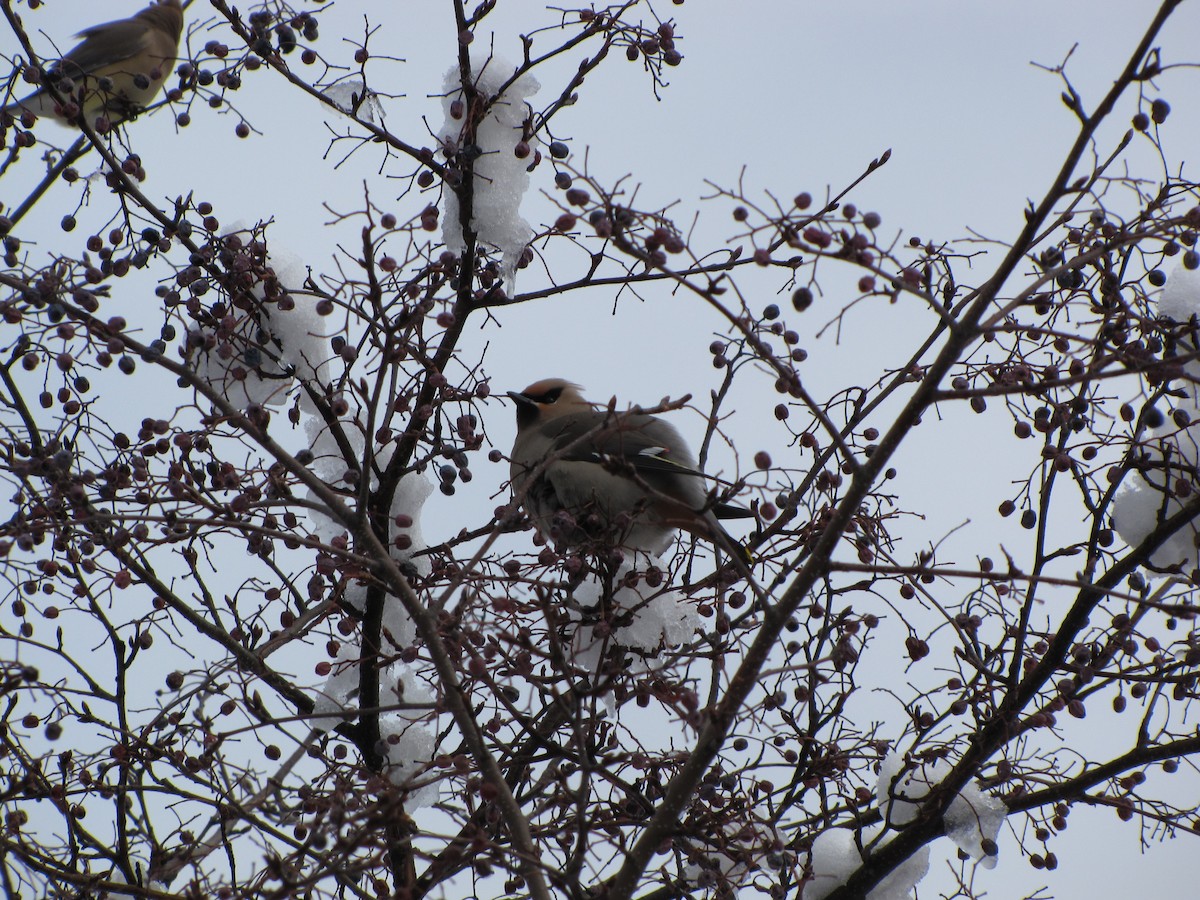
(117, 69)
(624, 479)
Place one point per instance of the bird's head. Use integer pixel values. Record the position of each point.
(166, 15)
(547, 399)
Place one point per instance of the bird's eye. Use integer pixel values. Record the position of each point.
(547, 397)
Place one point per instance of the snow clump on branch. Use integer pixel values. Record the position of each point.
(1171, 445)
(502, 153)
(255, 353)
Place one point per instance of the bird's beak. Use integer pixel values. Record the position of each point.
(520, 399)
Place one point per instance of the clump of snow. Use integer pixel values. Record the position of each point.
(1180, 298)
(406, 736)
(501, 177)
(972, 819)
(407, 740)
(411, 494)
(399, 630)
(254, 357)
(348, 92)
(330, 449)
(900, 882)
(835, 856)
(140, 881)
(330, 463)
(334, 700)
(408, 744)
(900, 793)
(333, 447)
(1145, 499)
(648, 617)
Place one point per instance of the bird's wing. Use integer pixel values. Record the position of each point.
(651, 447)
(106, 44)
(624, 439)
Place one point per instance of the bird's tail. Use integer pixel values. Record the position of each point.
(735, 548)
(731, 511)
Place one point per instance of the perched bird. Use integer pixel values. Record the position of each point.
(116, 70)
(624, 479)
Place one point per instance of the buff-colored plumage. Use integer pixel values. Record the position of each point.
(116, 70)
(625, 479)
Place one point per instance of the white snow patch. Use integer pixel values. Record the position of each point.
(658, 617)
(414, 489)
(116, 876)
(330, 462)
(411, 494)
(408, 741)
(1180, 297)
(835, 857)
(1145, 500)
(256, 356)
(334, 702)
(407, 737)
(346, 92)
(972, 818)
(501, 178)
(900, 793)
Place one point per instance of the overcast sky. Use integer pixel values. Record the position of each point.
(797, 95)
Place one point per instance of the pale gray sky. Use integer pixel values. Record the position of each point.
(797, 95)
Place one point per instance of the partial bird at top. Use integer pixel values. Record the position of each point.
(625, 479)
(116, 70)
